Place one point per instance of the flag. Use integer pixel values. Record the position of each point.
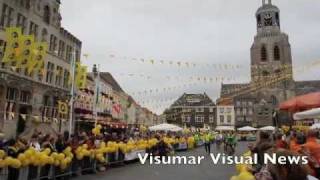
(27, 46)
(62, 107)
(13, 37)
(39, 52)
(81, 75)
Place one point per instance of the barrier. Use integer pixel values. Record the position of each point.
(3, 173)
(76, 167)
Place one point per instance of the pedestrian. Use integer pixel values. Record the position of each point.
(207, 144)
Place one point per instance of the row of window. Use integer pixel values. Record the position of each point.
(244, 119)
(197, 110)
(244, 111)
(244, 103)
(227, 120)
(264, 53)
(225, 110)
(198, 119)
(58, 47)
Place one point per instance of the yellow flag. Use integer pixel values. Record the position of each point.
(81, 76)
(39, 53)
(13, 36)
(62, 107)
(27, 46)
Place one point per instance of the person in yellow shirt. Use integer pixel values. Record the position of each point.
(207, 144)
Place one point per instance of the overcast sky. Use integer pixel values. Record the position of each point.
(203, 31)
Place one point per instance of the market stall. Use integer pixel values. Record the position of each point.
(224, 128)
(300, 103)
(268, 128)
(309, 114)
(165, 127)
(245, 133)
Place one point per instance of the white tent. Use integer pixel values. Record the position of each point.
(315, 126)
(309, 114)
(224, 128)
(247, 128)
(267, 128)
(165, 127)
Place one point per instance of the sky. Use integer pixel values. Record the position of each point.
(136, 40)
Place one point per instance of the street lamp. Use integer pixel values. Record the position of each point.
(95, 72)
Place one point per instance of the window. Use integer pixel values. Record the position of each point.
(59, 74)
(188, 119)
(244, 111)
(25, 97)
(53, 43)
(250, 111)
(276, 53)
(12, 94)
(259, 20)
(229, 118)
(6, 16)
(210, 109)
(61, 50)
(199, 119)
(21, 22)
(46, 14)
(238, 103)
(263, 54)
(229, 110)
(274, 101)
(221, 119)
(250, 103)
(50, 72)
(33, 29)
(44, 35)
(69, 53)
(221, 110)
(211, 119)
(200, 110)
(238, 111)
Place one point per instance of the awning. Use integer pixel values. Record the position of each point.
(247, 128)
(267, 128)
(165, 127)
(310, 114)
(304, 102)
(224, 128)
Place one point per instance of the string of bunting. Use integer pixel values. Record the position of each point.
(188, 64)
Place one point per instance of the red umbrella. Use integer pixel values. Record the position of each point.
(303, 102)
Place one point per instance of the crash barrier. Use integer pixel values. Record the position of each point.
(77, 167)
(34, 165)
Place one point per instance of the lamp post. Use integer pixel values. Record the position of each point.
(73, 73)
(96, 75)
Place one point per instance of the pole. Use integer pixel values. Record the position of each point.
(96, 74)
(73, 73)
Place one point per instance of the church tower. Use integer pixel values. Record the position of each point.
(271, 51)
(271, 54)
